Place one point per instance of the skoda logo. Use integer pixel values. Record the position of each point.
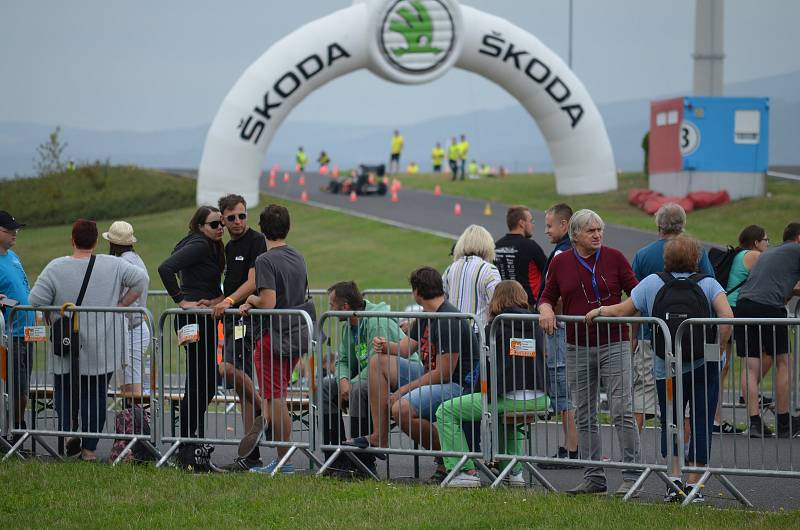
(65, 341)
(417, 36)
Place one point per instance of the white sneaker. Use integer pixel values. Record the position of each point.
(465, 480)
(514, 480)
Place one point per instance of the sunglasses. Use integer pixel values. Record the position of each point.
(232, 217)
(214, 224)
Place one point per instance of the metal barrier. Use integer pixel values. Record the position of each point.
(77, 389)
(3, 379)
(202, 360)
(587, 365)
(392, 399)
(752, 452)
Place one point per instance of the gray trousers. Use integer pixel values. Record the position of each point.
(359, 398)
(585, 367)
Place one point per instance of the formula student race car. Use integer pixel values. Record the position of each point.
(368, 180)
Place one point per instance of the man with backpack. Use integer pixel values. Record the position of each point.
(772, 281)
(671, 221)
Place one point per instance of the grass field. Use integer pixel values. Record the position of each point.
(717, 225)
(336, 246)
(94, 192)
(83, 495)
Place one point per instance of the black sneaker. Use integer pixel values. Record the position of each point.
(197, 458)
(675, 496)
(791, 429)
(759, 429)
(727, 428)
(438, 476)
(563, 454)
(240, 464)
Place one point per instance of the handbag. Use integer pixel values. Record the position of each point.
(293, 330)
(64, 330)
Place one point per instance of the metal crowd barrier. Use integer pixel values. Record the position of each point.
(617, 444)
(755, 451)
(208, 367)
(68, 398)
(3, 378)
(399, 423)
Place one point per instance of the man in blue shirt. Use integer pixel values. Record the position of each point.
(670, 220)
(14, 287)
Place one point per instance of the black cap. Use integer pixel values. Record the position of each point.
(8, 222)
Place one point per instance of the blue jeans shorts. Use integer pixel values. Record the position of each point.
(557, 386)
(426, 399)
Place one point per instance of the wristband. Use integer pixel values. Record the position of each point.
(231, 300)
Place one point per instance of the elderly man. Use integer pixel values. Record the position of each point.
(587, 277)
(670, 220)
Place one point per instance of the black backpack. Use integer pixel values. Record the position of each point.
(722, 261)
(677, 300)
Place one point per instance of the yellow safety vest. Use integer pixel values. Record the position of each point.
(463, 149)
(473, 168)
(397, 144)
(301, 158)
(453, 152)
(437, 155)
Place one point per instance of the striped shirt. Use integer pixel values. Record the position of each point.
(469, 284)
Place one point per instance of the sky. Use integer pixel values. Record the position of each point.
(167, 64)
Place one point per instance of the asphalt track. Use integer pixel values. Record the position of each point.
(422, 210)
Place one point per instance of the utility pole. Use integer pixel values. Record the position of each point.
(709, 25)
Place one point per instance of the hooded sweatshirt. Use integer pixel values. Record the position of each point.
(517, 372)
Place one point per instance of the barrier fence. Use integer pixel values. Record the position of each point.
(209, 367)
(3, 378)
(393, 391)
(755, 344)
(68, 395)
(211, 378)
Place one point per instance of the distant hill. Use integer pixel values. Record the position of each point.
(507, 136)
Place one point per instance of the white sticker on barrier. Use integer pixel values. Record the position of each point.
(35, 334)
(188, 334)
(239, 332)
(522, 347)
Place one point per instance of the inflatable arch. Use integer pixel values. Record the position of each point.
(405, 41)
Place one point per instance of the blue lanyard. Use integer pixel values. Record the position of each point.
(591, 269)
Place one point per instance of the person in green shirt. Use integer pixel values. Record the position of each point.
(347, 388)
(437, 156)
(301, 159)
(453, 154)
(473, 170)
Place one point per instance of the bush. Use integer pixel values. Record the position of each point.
(95, 191)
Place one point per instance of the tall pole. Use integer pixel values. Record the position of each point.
(569, 49)
(708, 53)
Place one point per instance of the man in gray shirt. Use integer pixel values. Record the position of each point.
(773, 280)
(102, 335)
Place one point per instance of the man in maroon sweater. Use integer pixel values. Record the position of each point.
(587, 277)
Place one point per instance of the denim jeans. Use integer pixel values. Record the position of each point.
(92, 404)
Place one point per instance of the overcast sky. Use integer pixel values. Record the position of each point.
(160, 64)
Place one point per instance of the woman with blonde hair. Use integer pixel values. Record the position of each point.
(470, 280)
(519, 387)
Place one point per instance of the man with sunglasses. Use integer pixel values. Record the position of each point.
(236, 368)
(587, 277)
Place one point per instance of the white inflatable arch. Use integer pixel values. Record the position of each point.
(405, 41)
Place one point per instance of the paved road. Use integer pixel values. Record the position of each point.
(422, 210)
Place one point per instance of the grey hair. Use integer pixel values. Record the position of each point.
(581, 220)
(671, 218)
(475, 241)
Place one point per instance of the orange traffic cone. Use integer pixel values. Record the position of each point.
(386, 181)
(323, 170)
(304, 196)
(286, 177)
(353, 196)
(302, 180)
(457, 209)
(273, 173)
(395, 198)
(271, 182)
(437, 191)
(487, 210)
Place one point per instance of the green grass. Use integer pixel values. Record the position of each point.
(96, 496)
(336, 246)
(94, 192)
(720, 225)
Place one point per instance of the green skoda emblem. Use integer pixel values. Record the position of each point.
(417, 36)
(416, 29)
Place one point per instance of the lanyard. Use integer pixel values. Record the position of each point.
(591, 269)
